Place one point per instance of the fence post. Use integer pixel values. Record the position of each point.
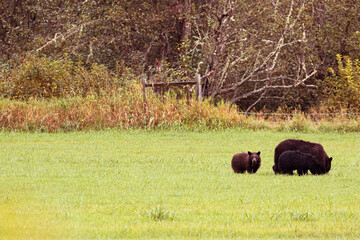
(143, 81)
(198, 87)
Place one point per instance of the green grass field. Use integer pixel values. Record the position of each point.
(171, 185)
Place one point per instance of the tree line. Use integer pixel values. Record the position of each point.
(255, 54)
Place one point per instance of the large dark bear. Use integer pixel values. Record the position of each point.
(314, 149)
(249, 162)
(295, 160)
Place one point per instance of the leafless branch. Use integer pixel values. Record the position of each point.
(61, 37)
(267, 87)
(91, 54)
(256, 102)
(58, 37)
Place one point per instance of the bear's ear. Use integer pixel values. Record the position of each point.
(249, 152)
(258, 153)
(330, 159)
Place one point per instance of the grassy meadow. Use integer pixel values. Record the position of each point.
(171, 185)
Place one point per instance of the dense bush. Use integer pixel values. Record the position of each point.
(41, 77)
(342, 86)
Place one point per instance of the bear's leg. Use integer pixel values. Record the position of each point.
(314, 172)
(302, 171)
(276, 169)
(252, 170)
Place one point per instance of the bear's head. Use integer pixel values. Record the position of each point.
(328, 165)
(254, 159)
(315, 165)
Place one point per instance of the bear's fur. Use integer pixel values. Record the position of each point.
(295, 160)
(249, 162)
(314, 149)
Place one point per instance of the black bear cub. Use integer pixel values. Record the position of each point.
(302, 162)
(249, 162)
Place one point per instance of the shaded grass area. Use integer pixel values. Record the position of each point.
(171, 184)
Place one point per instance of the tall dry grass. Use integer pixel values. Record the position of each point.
(127, 110)
(123, 111)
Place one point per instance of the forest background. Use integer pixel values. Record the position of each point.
(72, 64)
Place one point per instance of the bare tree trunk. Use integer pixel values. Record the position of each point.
(220, 38)
(186, 30)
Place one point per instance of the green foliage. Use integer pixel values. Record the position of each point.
(158, 213)
(41, 77)
(342, 87)
(170, 74)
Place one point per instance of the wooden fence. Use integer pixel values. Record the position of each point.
(162, 87)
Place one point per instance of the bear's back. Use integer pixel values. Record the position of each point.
(240, 162)
(314, 149)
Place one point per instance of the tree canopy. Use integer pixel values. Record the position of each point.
(252, 53)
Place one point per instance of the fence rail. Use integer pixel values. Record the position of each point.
(170, 84)
(161, 87)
